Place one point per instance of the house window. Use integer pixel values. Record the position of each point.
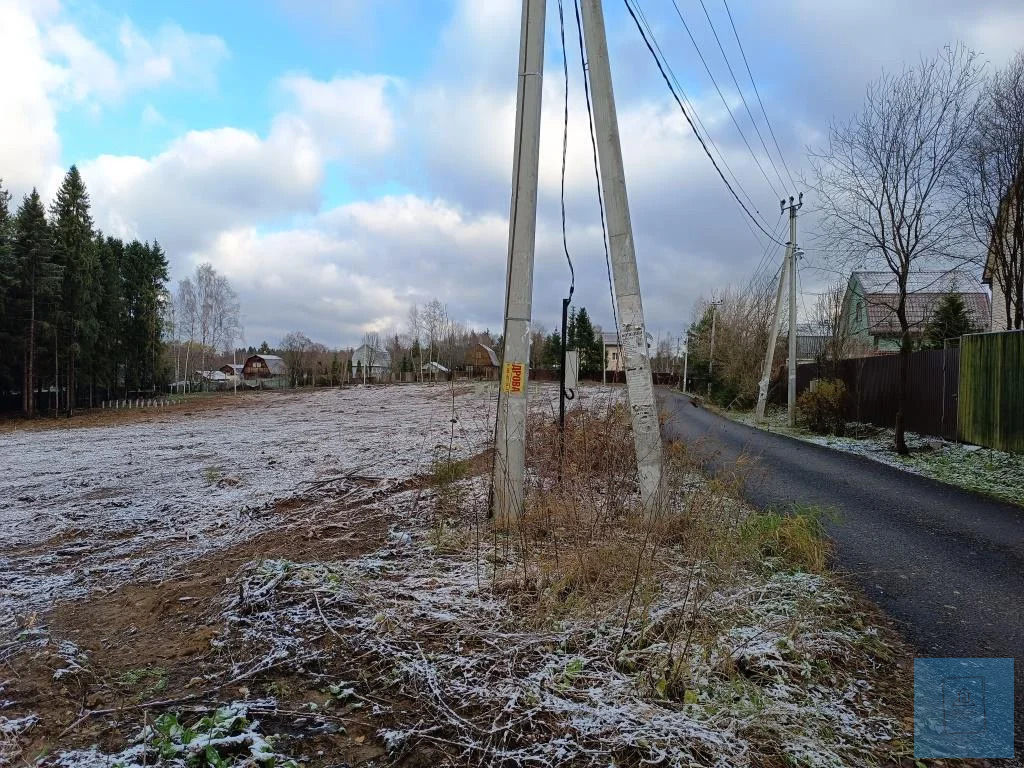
(615, 356)
(860, 309)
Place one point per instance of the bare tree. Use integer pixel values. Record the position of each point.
(435, 317)
(887, 181)
(296, 349)
(993, 177)
(371, 347)
(415, 323)
(827, 321)
(188, 314)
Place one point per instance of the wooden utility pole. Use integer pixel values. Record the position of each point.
(510, 432)
(632, 331)
(791, 258)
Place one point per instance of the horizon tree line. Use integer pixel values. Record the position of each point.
(81, 313)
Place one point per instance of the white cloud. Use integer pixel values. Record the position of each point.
(358, 267)
(29, 143)
(206, 182)
(172, 55)
(349, 116)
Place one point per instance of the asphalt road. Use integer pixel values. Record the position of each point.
(946, 564)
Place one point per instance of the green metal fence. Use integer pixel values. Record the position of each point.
(991, 406)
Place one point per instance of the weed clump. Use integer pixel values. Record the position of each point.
(795, 537)
(821, 408)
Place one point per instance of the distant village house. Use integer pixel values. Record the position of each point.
(265, 372)
(869, 318)
(481, 362)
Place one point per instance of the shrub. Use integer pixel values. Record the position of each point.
(821, 408)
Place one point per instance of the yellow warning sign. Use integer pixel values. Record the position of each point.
(513, 378)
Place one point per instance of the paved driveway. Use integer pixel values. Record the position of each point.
(947, 564)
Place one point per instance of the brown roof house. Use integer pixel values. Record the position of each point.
(869, 305)
(481, 362)
(265, 372)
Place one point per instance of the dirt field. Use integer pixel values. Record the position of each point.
(291, 579)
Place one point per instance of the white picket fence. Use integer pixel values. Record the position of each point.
(139, 402)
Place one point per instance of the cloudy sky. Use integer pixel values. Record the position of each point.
(340, 160)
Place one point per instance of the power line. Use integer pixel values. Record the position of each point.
(597, 173)
(764, 260)
(689, 120)
(771, 130)
(739, 90)
(725, 102)
(565, 146)
(696, 115)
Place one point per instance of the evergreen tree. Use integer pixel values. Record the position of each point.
(36, 287)
(75, 252)
(950, 321)
(551, 355)
(8, 360)
(264, 349)
(109, 312)
(585, 338)
(144, 275)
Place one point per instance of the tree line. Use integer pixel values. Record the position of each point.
(81, 313)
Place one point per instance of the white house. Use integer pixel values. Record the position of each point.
(370, 362)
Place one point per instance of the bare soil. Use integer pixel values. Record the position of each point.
(168, 627)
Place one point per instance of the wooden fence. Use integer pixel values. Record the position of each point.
(872, 383)
(992, 390)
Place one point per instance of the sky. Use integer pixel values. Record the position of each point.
(341, 160)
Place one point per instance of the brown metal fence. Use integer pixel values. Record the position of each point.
(872, 383)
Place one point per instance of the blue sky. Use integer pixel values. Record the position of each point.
(340, 160)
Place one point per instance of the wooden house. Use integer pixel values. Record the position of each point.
(265, 372)
(481, 362)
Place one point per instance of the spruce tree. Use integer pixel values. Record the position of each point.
(75, 252)
(950, 321)
(37, 280)
(8, 361)
(109, 312)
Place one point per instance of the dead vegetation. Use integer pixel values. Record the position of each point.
(403, 628)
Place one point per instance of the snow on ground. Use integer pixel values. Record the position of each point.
(974, 467)
(96, 507)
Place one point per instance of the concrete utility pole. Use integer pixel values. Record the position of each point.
(791, 258)
(769, 355)
(686, 359)
(510, 434)
(711, 356)
(632, 331)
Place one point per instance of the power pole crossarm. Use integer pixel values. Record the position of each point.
(633, 333)
(510, 432)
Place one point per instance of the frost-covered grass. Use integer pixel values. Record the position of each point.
(96, 507)
(995, 473)
(224, 738)
(583, 635)
(776, 674)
